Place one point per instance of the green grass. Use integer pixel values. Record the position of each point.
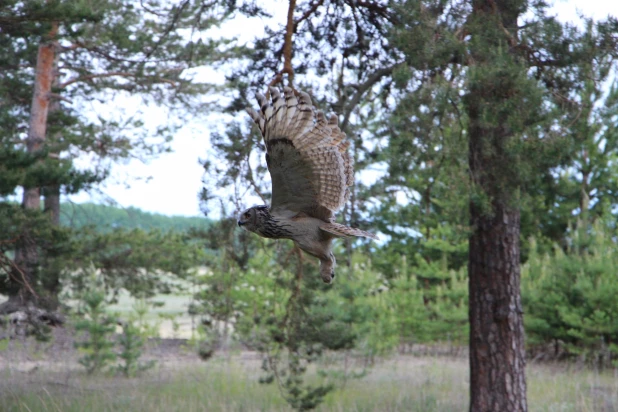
(399, 384)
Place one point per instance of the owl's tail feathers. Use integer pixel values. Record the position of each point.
(346, 231)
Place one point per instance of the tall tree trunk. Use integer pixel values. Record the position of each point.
(51, 283)
(27, 255)
(497, 353)
(52, 203)
(51, 193)
(40, 108)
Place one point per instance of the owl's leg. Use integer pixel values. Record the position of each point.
(327, 268)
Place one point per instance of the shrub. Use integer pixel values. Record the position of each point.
(131, 343)
(98, 328)
(570, 296)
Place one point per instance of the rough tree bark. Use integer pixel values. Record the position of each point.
(497, 355)
(51, 194)
(26, 254)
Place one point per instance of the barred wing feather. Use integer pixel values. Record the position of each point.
(307, 155)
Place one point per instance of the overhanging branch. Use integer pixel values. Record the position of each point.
(361, 90)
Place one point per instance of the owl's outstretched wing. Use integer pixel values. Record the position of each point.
(307, 155)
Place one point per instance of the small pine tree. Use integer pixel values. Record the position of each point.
(570, 296)
(98, 329)
(131, 343)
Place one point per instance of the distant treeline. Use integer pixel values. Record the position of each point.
(106, 218)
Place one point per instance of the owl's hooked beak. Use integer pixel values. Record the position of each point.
(240, 223)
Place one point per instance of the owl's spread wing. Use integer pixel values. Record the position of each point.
(307, 155)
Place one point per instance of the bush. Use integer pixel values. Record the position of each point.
(570, 297)
(131, 343)
(98, 329)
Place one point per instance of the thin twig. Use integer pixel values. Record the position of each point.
(287, 44)
(361, 90)
(12, 265)
(94, 76)
(308, 13)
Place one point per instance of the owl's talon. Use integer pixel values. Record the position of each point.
(328, 278)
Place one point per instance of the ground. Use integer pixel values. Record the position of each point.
(46, 377)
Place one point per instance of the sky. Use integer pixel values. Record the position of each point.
(170, 183)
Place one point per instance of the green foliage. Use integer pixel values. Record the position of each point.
(280, 307)
(97, 329)
(131, 343)
(107, 218)
(102, 50)
(141, 307)
(570, 297)
(99, 343)
(141, 262)
(283, 311)
(583, 184)
(23, 227)
(430, 314)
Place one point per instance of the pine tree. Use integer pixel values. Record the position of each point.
(29, 43)
(498, 104)
(492, 80)
(583, 186)
(509, 85)
(87, 52)
(569, 298)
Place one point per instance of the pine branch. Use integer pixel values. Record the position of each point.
(308, 13)
(361, 90)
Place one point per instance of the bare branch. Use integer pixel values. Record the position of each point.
(361, 90)
(308, 13)
(290, 28)
(58, 97)
(94, 76)
(11, 267)
(287, 44)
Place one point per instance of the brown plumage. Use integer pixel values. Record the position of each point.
(311, 170)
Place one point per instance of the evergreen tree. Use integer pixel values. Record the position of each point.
(481, 94)
(569, 296)
(583, 186)
(511, 82)
(500, 104)
(87, 52)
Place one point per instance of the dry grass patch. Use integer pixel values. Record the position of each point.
(402, 383)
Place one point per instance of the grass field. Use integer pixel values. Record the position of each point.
(229, 383)
(47, 378)
(175, 305)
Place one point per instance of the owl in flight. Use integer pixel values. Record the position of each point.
(311, 171)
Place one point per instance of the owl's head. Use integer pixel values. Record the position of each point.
(252, 218)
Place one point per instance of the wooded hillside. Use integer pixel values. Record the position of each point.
(105, 218)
